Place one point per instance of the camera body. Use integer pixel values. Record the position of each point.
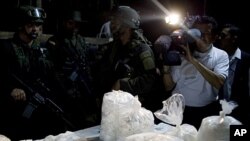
(186, 34)
(170, 45)
(180, 37)
(184, 37)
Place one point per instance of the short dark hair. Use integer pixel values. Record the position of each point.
(207, 20)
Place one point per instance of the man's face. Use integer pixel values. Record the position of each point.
(225, 39)
(115, 25)
(33, 29)
(206, 36)
(72, 27)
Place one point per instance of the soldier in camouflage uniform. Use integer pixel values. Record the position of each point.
(69, 53)
(128, 64)
(25, 59)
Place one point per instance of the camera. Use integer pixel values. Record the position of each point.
(180, 37)
(184, 37)
(170, 45)
(163, 47)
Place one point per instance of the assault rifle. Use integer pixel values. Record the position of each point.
(80, 69)
(37, 99)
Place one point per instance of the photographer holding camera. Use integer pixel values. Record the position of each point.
(199, 75)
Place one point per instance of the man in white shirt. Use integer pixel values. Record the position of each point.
(200, 76)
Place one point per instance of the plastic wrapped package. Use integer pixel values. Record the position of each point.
(172, 113)
(214, 128)
(163, 128)
(88, 134)
(186, 132)
(150, 136)
(4, 138)
(67, 136)
(122, 115)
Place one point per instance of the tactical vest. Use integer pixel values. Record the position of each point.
(27, 60)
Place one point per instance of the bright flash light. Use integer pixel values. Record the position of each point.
(173, 19)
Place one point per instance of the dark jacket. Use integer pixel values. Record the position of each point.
(240, 89)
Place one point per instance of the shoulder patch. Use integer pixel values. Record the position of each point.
(147, 60)
(148, 63)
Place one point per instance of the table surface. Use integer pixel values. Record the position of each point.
(91, 134)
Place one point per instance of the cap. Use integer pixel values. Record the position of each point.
(75, 15)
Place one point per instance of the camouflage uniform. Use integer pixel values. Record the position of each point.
(128, 62)
(69, 55)
(26, 72)
(29, 63)
(133, 64)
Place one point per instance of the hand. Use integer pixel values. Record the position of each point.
(116, 86)
(166, 69)
(18, 94)
(188, 54)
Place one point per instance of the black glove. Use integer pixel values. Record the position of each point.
(122, 70)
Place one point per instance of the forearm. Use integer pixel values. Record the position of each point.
(214, 79)
(167, 78)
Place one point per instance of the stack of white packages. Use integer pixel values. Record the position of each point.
(172, 113)
(217, 128)
(122, 115)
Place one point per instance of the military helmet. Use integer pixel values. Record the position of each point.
(31, 14)
(128, 16)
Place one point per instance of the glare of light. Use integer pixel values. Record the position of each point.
(173, 18)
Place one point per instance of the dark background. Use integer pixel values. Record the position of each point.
(96, 13)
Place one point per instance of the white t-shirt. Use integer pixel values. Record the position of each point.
(192, 85)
